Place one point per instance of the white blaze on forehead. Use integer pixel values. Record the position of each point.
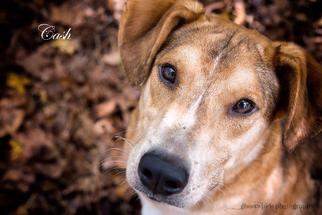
(214, 65)
(189, 118)
(180, 116)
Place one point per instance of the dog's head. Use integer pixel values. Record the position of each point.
(211, 91)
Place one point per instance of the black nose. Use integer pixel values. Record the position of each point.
(162, 175)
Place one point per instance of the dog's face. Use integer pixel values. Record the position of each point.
(209, 97)
(205, 103)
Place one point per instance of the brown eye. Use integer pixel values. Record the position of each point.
(243, 107)
(167, 73)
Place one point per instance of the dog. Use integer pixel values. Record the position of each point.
(226, 119)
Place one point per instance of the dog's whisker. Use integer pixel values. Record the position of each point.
(126, 140)
(112, 164)
(115, 149)
(114, 171)
(208, 199)
(123, 182)
(221, 190)
(119, 173)
(119, 151)
(113, 158)
(123, 131)
(119, 157)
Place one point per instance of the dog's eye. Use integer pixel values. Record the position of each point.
(167, 73)
(244, 106)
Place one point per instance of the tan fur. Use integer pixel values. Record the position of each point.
(232, 160)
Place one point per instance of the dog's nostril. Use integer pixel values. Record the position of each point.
(147, 173)
(172, 184)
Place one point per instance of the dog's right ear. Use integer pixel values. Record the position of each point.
(300, 78)
(145, 26)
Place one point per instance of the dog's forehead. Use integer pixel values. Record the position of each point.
(221, 40)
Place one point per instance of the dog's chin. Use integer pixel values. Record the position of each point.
(178, 201)
(171, 200)
(174, 201)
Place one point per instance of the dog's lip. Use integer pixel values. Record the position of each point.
(153, 198)
(156, 198)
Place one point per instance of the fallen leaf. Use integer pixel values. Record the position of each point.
(10, 120)
(84, 131)
(36, 142)
(19, 178)
(18, 82)
(66, 46)
(11, 114)
(16, 149)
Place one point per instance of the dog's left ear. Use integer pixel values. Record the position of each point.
(300, 78)
(145, 26)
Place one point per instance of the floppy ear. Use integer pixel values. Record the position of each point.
(144, 27)
(301, 80)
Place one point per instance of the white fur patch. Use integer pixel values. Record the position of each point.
(185, 118)
(273, 183)
(192, 54)
(189, 118)
(240, 77)
(233, 202)
(240, 142)
(252, 155)
(171, 118)
(225, 206)
(154, 208)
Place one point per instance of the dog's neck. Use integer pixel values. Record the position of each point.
(274, 183)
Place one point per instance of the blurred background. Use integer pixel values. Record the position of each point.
(65, 104)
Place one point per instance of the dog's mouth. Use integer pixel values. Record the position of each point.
(170, 200)
(153, 198)
(156, 198)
